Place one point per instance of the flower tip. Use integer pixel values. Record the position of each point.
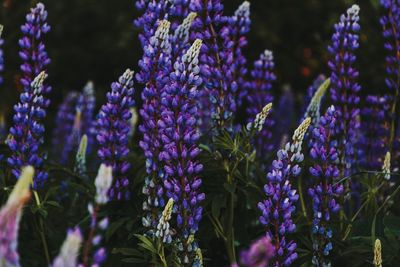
(21, 192)
(301, 130)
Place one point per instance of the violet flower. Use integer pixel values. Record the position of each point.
(375, 130)
(27, 131)
(216, 107)
(259, 253)
(33, 52)
(10, 216)
(155, 67)
(391, 33)
(234, 62)
(259, 94)
(325, 192)
(344, 86)
(281, 199)
(113, 122)
(180, 151)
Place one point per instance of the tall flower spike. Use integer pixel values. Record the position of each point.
(155, 68)
(313, 109)
(386, 166)
(324, 192)
(281, 199)
(215, 109)
(344, 86)
(69, 250)
(33, 51)
(1, 56)
(377, 253)
(259, 94)
(237, 27)
(112, 137)
(10, 215)
(390, 22)
(180, 150)
(375, 132)
(27, 132)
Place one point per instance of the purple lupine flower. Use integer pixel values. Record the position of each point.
(215, 111)
(64, 122)
(113, 122)
(103, 184)
(375, 130)
(344, 86)
(10, 216)
(33, 52)
(178, 10)
(259, 253)
(324, 192)
(1, 56)
(155, 67)
(27, 132)
(180, 151)
(70, 250)
(391, 32)
(281, 198)
(234, 62)
(259, 94)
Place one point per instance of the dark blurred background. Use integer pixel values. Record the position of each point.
(92, 39)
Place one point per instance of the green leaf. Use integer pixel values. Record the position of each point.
(147, 244)
(127, 251)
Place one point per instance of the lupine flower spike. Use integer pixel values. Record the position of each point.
(325, 192)
(259, 253)
(180, 150)
(27, 132)
(259, 90)
(103, 184)
(33, 51)
(69, 250)
(155, 68)
(10, 215)
(281, 199)
(377, 253)
(113, 122)
(344, 87)
(375, 130)
(391, 32)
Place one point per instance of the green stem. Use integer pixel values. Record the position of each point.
(41, 230)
